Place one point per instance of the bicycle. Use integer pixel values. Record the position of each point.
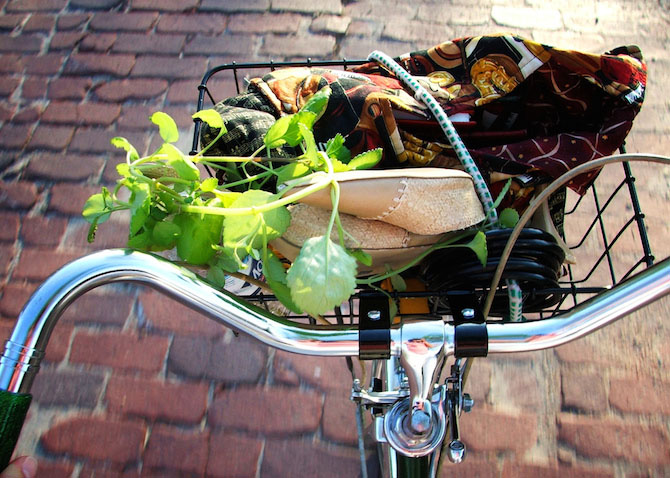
(412, 398)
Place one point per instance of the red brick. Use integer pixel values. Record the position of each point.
(11, 63)
(219, 360)
(43, 231)
(12, 20)
(70, 198)
(93, 63)
(68, 88)
(7, 255)
(298, 45)
(72, 21)
(115, 22)
(165, 315)
(38, 264)
(18, 195)
(233, 456)
(59, 343)
(120, 350)
(36, 5)
(641, 395)
(265, 22)
(309, 6)
(6, 112)
(28, 43)
(65, 40)
(615, 439)
(97, 42)
(10, 221)
(183, 91)
(296, 457)
(79, 389)
(60, 112)
(137, 116)
(28, 114)
(97, 470)
(8, 84)
(48, 64)
(51, 137)
(149, 43)
(102, 308)
(517, 470)
(167, 67)
(110, 234)
(84, 113)
(239, 45)
(14, 136)
(172, 449)
(64, 168)
(54, 470)
(165, 5)
(233, 6)
(339, 419)
(173, 402)
(583, 390)
(34, 88)
(92, 140)
(96, 438)
(323, 372)
(488, 430)
(470, 468)
(127, 89)
(40, 22)
(334, 24)
(193, 23)
(270, 410)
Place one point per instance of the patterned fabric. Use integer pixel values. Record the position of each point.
(524, 110)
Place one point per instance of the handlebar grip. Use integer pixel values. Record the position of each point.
(13, 410)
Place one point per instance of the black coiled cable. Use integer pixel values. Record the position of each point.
(535, 264)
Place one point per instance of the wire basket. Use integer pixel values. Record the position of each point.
(604, 228)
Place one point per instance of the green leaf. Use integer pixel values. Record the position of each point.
(226, 197)
(478, 246)
(252, 230)
(140, 205)
(291, 171)
(336, 149)
(274, 138)
(322, 276)
(318, 103)
(199, 233)
(97, 208)
(508, 217)
(209, 185)
(311, 151)
(306, 118)
(502, 194)
(361, 256)
(124, 144)
(167, 128)
(123, 169)
(165, 234)
(283, 294)
(273, 269)
(181, 163)
(212, 118)
(366, 160)
(141, 241)
(398, 283)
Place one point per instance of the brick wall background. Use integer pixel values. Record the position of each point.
(135, 386)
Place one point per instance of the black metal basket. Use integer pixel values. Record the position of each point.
(604, 228)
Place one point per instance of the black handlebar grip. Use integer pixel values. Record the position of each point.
(13, 410)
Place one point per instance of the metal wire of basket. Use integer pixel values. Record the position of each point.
(604, 228)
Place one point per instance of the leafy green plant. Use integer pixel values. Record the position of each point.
(208, 224)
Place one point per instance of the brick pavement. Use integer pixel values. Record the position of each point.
(135, 386)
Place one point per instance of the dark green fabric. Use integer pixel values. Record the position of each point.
(13, 410)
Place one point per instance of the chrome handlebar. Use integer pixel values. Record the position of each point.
(25, 348)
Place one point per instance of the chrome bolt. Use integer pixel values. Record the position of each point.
(456, 451)
(468, 313)
(374, 315)
(468, 403)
